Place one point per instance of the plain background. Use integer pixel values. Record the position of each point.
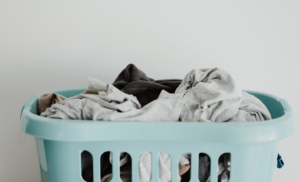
(46, 45)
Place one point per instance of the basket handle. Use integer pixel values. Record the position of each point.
(286, 105)
(29, 103)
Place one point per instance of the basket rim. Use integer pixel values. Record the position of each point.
(200, 132)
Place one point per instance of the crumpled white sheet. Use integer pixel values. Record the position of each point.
(112, 104)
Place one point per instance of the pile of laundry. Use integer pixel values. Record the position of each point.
(204, 95)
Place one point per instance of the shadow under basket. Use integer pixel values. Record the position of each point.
(253, 147)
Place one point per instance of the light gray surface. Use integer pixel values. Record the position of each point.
(257, 41)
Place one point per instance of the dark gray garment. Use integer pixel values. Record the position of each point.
(134, 81)
(204, 167)
(224, 167)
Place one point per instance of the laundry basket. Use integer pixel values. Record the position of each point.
(253, 146)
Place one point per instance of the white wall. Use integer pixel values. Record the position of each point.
(47, 45)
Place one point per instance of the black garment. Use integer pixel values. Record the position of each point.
(87, 165)
(134, 81)
(186, 176)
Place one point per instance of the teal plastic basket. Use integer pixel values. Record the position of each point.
(253, 146)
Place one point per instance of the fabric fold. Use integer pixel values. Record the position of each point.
(47, 100)
(134, 81)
